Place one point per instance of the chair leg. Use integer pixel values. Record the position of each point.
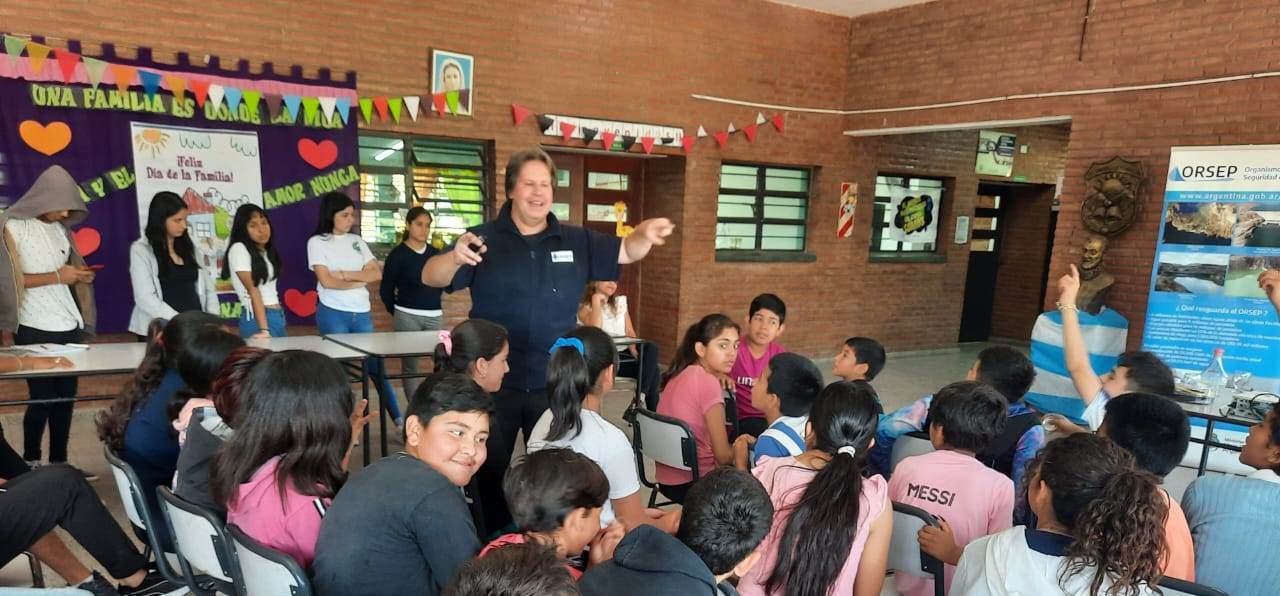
(37, 571)
(653, 496)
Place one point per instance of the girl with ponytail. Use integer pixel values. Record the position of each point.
(1100, 528)
(581, 371)
(476, 348)
(831, 531)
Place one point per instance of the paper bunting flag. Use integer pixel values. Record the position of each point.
(380, 104)
(566, 131)
(94, 68)
(777, 122)
(123, 74)
(627, 142)
(750, 131)
(343, 107)
(233, 96)
(731, 129)
(176, 85)
(13, 47)
(589, 134)
(327, 106)
(666, 140)
(200, 89)
(216, 93)
(607, 138)
(310, 107)
(545, 123)
(438, 104)
(293, 103)
(67, 61)
(687, 143)
(36, 55)
(702, 132)
(251, 98)
(366, 109)
(150, 82)
(451, 99)
(760, 118)
(647, 144)
(519, 113)
(394, 104)
(722, 138)
(274, 101)
(411, 103)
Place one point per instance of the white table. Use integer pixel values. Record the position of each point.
(97, 359)
(310, 343)
(393, 344)
(1212, 414)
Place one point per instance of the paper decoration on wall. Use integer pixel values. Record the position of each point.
(67, 61)
(13, 47)
(519, 113)
(621, 229)
(233, 97)
(343, 107)
(200, 89)
(589, 134)
(913, 214)
(319, 155)
(36, 54)
(848, 205)
(366, 109)
(566, 130)
(606, 139)
(411, 105)
(394, 104)
(47, 139)
(302, 304)
(760, 118)
(722, 138)
(687, 143)
(544, 123)
(702, 132)
(150, 82)
(251, 99)
(750, 131)
(647, 144)
(438, 104)
(176, 85)
(94, 68)
(380, 104)
(87, 240)
(731, 129)
(310, 107)
(627, 142)
(216, 93)
(777, 122)
(123, 75)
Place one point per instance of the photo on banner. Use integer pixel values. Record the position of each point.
(913, 214)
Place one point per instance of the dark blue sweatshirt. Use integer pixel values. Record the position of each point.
(402, 280)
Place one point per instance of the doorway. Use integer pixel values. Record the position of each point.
(984, 264)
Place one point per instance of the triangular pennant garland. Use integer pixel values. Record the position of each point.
(343, 107)
(123, 74)
(702, 132)
(687, 143)
(750, 131)
(731, 129)
(451, 99)
(94, 68)
(589, 134)
(67, 61)
(380, 104)
(233, 95)
(777, 122)
(647, 144)
(566, 131)
(394, 104)
(760, 118)
(366, 109)
(310, 107)
(150, 82)
(36, 55)
(200, 89)
(545, 123)
(607, 138)
(13, 47)
(438, 104)
(251, 99)
(216, 93)
(722, 138)
(627, 142)
(519, 113)
(274, 101)
(327, 106)
(293, 103)
(176, 85)
(666, 140)
(411, 103)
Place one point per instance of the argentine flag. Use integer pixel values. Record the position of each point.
(1105, 337)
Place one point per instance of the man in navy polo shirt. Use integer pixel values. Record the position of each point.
(527, 271)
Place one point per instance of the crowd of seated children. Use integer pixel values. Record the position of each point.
(766, 320)
(784, 392)
(579, 375)
(859, 359)
(528, 569)
(970, 499)
(691, 393)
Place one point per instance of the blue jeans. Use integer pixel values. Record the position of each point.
(332, 320)
(250, 326)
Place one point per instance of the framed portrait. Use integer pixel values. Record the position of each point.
(453, 72)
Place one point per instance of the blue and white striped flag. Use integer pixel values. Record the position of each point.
(1105, 336)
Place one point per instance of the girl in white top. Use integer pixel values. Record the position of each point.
(253, 265)
(164, 267)
(602, 307)
(579, 375)
(1100, 529)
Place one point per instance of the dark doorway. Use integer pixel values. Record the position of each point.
(985, 233)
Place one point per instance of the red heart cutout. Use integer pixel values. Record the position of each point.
(302, 304)
(87, 241)
(320, 155)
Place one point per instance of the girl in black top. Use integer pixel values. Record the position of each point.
(414, 306)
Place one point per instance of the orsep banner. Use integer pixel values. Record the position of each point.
(1221, 229)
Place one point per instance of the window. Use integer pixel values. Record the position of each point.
(607, 181)
(762, 209)
(881, 239)
(450, 178)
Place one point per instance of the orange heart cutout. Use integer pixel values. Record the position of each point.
(302, 304)
(87, 241)
(48, 139)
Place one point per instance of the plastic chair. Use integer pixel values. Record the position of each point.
(201, 542)
(731, 414)
(905, 555)
(265, 571)
(909, 445)
(1177, 587)
(667, 441)
(135, 509)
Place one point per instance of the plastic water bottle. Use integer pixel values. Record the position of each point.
(1215, 376)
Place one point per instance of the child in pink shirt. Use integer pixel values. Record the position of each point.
(766, 320)
(970, 499)
(277, 474)
(692, 394)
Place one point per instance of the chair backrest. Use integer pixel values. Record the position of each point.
(665, 440)
(265, 571)
(130, 489)
(1176, 587)
(198, 536)
(908, 445)
(905, 555)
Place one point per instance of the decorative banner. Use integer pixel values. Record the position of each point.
(567, 130)
(606, 139)
(589, 134)
(848, 205)
(519, 113)
(302, 304)
(702, 132)
(67, 61)
(914, 214)
(94, 68)
(687, 143)
(647, 144)
(318, 155)
(123, 75)
(411, 103)
(995, 153)
(47, 139)
(87, 240)
(618, 128)
(722, 138)
(750, 131)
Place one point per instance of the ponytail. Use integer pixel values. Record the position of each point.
(702, 332)
(821, 526)
(577, 361)
(471, 340)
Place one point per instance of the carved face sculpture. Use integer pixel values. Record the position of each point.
(1112, 189)
(1094, 248)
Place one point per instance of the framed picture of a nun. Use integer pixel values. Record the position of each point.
(451, 74)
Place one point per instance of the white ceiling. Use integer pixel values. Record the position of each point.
(850, 8)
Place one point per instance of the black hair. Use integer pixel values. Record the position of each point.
(414, 213)
(300, 411)
(796, 381)
(868, 352)
(726, 515)
(1147, 373)
(571, 376)
(258, 257)
(163, 206)
(1008, 370)
(822, 524)
(472, 340)
(706, 329)
(971, 415)
(330, 204)
(199, 363)
(227, 391)
(545, 486)
(771, 302)
(448, 392)
(528, 569)
(1151, 427)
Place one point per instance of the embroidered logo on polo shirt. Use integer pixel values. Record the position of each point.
(561, 256)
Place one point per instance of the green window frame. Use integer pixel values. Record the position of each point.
(762, 212)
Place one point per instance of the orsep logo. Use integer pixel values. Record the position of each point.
(1220, 173)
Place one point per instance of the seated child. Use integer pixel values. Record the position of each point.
(831, 533)
(1234, 522)
(1099, 529)
(860, 359)
(401, 525)
(518, 570)
(555, 497)
(726, 515)
(691, 393)
(1009, 372)
(287, 458)
(970, 499)
(784, 392)
(766, 320)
